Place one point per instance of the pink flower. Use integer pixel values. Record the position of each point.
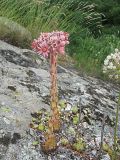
(34, 44)
(63, 43)
(51, 43)
(62, 37)
(61, 50)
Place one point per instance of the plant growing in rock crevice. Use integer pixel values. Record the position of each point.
(112, 68)
(50, 45)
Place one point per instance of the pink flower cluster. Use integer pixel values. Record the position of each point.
(51, 43)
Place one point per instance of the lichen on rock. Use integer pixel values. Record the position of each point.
(24, 89)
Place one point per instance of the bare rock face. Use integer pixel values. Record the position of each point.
(24, 88)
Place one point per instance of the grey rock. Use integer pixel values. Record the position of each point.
(106, 157)
(25, 88)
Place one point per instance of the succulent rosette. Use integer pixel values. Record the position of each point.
(51, 43)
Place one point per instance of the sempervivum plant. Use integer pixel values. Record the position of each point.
(50, 45)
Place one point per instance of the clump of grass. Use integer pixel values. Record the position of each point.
(89, 52)
(14, 33)
(46, 16)
(42, 16)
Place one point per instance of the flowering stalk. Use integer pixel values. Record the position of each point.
(55, 120)
(53, 72)
(116, 128)
(112, 68)
(49, 45)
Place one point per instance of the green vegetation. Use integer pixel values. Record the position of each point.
(110, 10)
(39, 16)
(94, 26)
(14, 33)
(90, 52)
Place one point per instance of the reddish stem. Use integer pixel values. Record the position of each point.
(54, 123)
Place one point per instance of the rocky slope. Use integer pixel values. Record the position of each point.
(24, 88)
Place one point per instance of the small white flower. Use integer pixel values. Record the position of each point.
(106, 62)
(114, 67)
(104, 71)
(109, 67)
(110, 76)
(114, 56)
(116, 76)
(116, 50)
(111, 64)
(108, 57)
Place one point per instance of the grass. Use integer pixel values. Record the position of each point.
(88, 46)
(90, 52)
(41, 16)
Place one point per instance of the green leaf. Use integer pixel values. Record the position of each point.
(41, 127)
(34, 119)
(4, 109)
(71, 131)
(76, 120)
(62, 104)
(75, 109)
(64, 141)
(35, 143)
(79, 145)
